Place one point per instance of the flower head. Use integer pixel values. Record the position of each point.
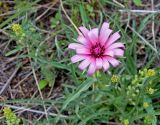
(150, 73)
(151, 91)
(96, 49)
(125, 122)
(115, 78)
(17, 29)
(145, 105)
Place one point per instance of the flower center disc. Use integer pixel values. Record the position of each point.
(97, 50)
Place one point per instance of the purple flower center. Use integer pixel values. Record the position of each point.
(97, 50)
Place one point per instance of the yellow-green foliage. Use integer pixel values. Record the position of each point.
(125, 122)
(11, 118)
(17, 29)
(137, 82)
(145, 105)
(115, 78)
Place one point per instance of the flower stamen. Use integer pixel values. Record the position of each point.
(97, 50)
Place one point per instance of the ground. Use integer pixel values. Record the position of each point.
(37, 78)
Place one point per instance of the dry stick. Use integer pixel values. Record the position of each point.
(69, 18)
(141, 11)
(7, 1)
(34, 74)
(145, 41)
(129, 14)
(38, 119)
(115, 1)
(153, 25)
(8, 13)
(35, 77)
(52, 4)
(157, 5)
(8, 42)
(34, 111)
(23, 80)
(42, 30)
(9, 81)
(2, 44)
(27, 103)
(43, 13)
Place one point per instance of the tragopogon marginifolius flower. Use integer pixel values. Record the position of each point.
(97, 49)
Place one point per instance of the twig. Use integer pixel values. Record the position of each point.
(153, 25)
(69, 18)
(42, 30)
(8, 13)
(141, 11)
(157, 5)
(46, 11)
(8, 42)
(9, 81)
(35, 111)
(115, 1)
(129, 17)
(22, 80)
(38, 119)
(144, 40)
(7, 1)
(34, 74)
(36, 80)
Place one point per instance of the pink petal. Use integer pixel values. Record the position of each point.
(75, 46)
(83, 40)
(109, 53)
(105, 26)
(99, 63)
(104, 36)
(77, 58)
(112, 61)
(91, 69)
(104, 33)
(84, 30)
(83, 51)
(84, 64)
(113, 38)
(93, 36)
(118, 52)
(116, 45)
(105, 65)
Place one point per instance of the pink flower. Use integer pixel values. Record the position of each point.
(97, 49)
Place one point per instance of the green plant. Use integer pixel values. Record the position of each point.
(11, 118)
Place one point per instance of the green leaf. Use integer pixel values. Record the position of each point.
(137, 2)
(55, 20)
(150, 111)
(18, 48)
(83, 87)
(42, 84)
(84, 16)
(144, 22)
(55, 64)
(130, 64)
